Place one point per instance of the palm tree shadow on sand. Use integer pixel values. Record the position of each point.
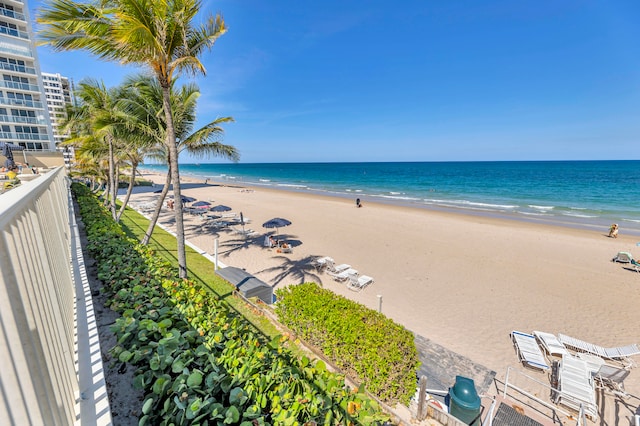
(236, 244)
(295, 271)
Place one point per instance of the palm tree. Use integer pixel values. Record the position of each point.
(96, 119)
(145, 102)
(157, 34)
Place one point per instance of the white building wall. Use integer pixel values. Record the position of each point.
(24, 118)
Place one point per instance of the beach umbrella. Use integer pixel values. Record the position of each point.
(186, 199)
(276, 222)
(201, 204)
(220, 208)
(5, 150)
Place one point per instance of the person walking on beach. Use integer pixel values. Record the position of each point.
(613, 231)
(358, 203)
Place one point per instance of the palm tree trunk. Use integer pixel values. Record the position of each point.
(105, 194)
(113, 185)
(175, 177)
(156, 212)
(132, 182)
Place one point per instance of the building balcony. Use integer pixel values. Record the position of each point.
(17, 68)
(50, 373)
(19, 86)
(23, 120)
(12, 14)
(15, 33)
(24, 136)
(20, 103)
(14, 51)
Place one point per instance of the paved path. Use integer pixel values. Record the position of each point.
(441, 366)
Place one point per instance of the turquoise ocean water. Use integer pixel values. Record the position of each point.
(585, 194)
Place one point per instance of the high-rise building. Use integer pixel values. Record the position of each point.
(58, 93)
(24, 118)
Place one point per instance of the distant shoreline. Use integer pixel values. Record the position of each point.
(601, 226)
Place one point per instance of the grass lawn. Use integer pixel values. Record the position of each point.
(199, 268)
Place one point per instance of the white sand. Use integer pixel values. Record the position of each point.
(463, 281)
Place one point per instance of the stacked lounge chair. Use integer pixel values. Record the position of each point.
(528, 350)
(620, 353)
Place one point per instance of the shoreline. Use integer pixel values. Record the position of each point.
(557, 221)
(460, 280)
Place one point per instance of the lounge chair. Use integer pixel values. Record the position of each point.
(357, 283)
(622, 257)
(576, 386)
(612, 378)
(606, 376)
(322, 262)
(550, 343)
(528, 350)
(344, 275)
(620, 353)
(332, 268)
(244, 232)
(636, 265)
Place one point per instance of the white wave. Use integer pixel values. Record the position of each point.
(534, 214)
(395, 193)
(393, 197)
(265, 180)
(480, 205)
(543, 208)
(292, 185)
(586, 216)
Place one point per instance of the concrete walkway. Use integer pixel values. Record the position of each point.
(441, 366)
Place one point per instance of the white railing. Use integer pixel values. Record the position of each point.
(47, 374)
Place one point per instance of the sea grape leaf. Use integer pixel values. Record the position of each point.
(195, 379)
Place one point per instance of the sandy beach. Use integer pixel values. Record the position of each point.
(463, 281)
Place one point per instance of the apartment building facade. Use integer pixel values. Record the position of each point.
(24, 117)
(57, 89)
(58, 92)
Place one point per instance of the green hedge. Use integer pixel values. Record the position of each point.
(365, 344)
(197, 360)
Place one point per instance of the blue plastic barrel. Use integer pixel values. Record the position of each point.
(464, 401)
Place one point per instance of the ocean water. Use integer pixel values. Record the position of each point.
(584, 194)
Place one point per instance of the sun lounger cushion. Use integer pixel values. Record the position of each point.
(528, 350)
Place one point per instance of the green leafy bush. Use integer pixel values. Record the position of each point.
(198, 361)
(365, 344)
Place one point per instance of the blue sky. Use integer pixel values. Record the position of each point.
(418, 80)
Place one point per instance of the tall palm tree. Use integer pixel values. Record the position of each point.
(157, 34)
(144, 104)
